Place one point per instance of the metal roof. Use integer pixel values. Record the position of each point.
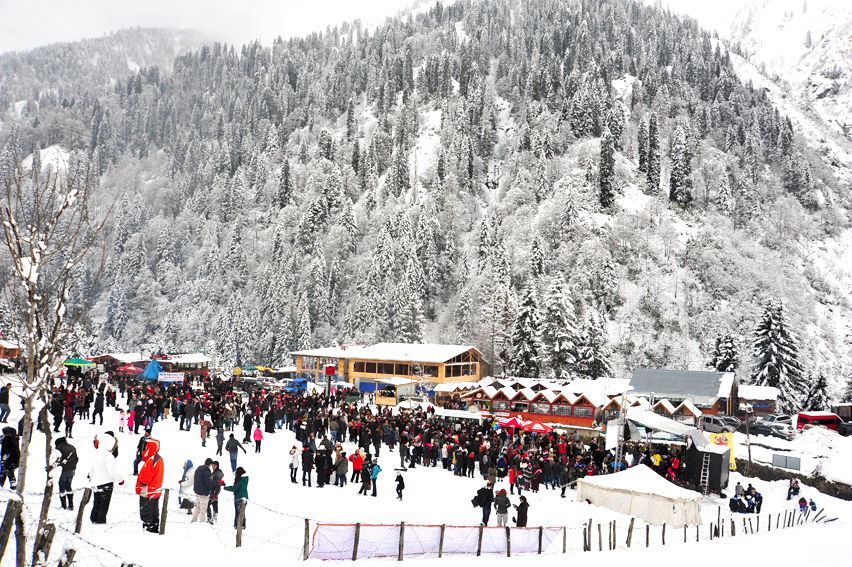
(704, 388)
(393, 352)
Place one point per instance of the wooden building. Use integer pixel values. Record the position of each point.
(424, 363)
(711, 392)
(193, 365)
(547, 406)
(9, 350)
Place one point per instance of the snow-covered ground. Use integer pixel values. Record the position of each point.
(277, 510)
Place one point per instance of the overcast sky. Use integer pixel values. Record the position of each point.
(28, 24)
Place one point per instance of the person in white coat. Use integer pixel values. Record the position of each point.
(103, 475)
(295, 457)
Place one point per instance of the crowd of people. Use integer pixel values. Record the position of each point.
(321, 424)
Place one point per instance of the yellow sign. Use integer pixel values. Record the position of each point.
(237, 371)
(728, 440)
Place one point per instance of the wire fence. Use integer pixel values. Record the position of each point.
(296, 538)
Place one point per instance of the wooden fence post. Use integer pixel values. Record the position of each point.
(600, 538)
(722, 533)
(540, 538)
(614, 536)
(697, 533)
(647, 535)
(508, 542)
(240, 516)
(684, 533)
(609, 537)
(44, 539)
(757, 519)
(402, 540)
(718, 516)
(357, 539)
(818, 513)
(12, 509)
(585, 538)
(664, 533)
(590, 534)
(441, 543)
(87, 495)
(479, 540)
(630, 532)
(165, 512)
(750, 526)
(733, 528)
(564, 539)
(69, 558)
(306, 546)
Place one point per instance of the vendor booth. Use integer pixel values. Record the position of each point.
(390, 390)
(640, 492)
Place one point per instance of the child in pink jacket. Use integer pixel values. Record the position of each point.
(258, 437)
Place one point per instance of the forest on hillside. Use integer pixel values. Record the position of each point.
(576, 188)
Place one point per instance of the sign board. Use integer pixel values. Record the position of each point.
(726, 439)
(785, 462)
(170, 377)
(330, 370)
(101, 368)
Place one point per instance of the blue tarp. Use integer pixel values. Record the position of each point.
(152, 371)
(367, 386)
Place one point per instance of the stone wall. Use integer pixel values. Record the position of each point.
(769, 473)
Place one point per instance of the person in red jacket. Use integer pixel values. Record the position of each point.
(357, 461)
(149, 486)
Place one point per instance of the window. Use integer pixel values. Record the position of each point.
(500, 405)
(384, 368)
(559, 409)
(520, 406)
(430, 371)
(611, 414)
(371, 368)
(358, 366)
(401, 369)
(584, 411)
(541, 408)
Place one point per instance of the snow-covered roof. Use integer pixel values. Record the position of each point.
(455, 386)
(758, 392)
(657, 422)
(689, 407)
(548, 395)
(125, 357)
(285, 369)
(191, 358)
(643, 480)
(398, 352)
(395, 381)
(606, 386)
(669, 407)
(704, 388)
(9, 344)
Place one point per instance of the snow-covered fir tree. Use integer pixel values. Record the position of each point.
(595, 355)
(818, 397)
(777, 363)
(725, 356)
(526, 337)
(560, 338)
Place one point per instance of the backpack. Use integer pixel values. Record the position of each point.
(475, 501)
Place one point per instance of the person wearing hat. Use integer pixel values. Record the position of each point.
(67, 460)
(103, 475)
(294, 463)
(140, 450)
(149, 486)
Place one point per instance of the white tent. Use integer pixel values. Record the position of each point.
(640, 492)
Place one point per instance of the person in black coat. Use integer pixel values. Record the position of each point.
(269, 422)
(484, 499)
(99, 408)
(247, 425)
(10, 457)
(307, 466)
(68, 462)
(522, 509)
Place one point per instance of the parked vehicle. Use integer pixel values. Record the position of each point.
(777, 418)
(734, 422)
(780, 430)
(824, 418)
(844, 411)
(714, 424)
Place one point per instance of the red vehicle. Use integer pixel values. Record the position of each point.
(824, 418)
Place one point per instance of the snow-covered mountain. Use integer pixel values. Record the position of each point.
(575, 188)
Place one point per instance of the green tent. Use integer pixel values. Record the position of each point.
(78, 362)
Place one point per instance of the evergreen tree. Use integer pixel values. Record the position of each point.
(351, 121)
(724, 199)
(818, 398)
(305, 340)
(776, 357)
(642, 140)
(725, 357)
(526, 340)
(680, 180)
(606, 177)
(536, 259)
(285, 186)
(595, 355)
(653, 154)
(559, 334)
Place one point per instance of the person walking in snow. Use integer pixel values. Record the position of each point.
(103, 476)
(232, 446)
(400, 485)
(10, 456)
(67, 460)
(220, 439)
(294, 464)
(258, 437)
(186, 497)
(149, 486)
(501, 505)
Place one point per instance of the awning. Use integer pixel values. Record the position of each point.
(395, 381)
(651, 420)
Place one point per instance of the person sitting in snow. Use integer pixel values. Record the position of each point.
(793, 489)
(812, 504)
(803, 504)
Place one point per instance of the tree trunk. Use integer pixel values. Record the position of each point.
(48, 483)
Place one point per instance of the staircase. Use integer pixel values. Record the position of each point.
(705, 474)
